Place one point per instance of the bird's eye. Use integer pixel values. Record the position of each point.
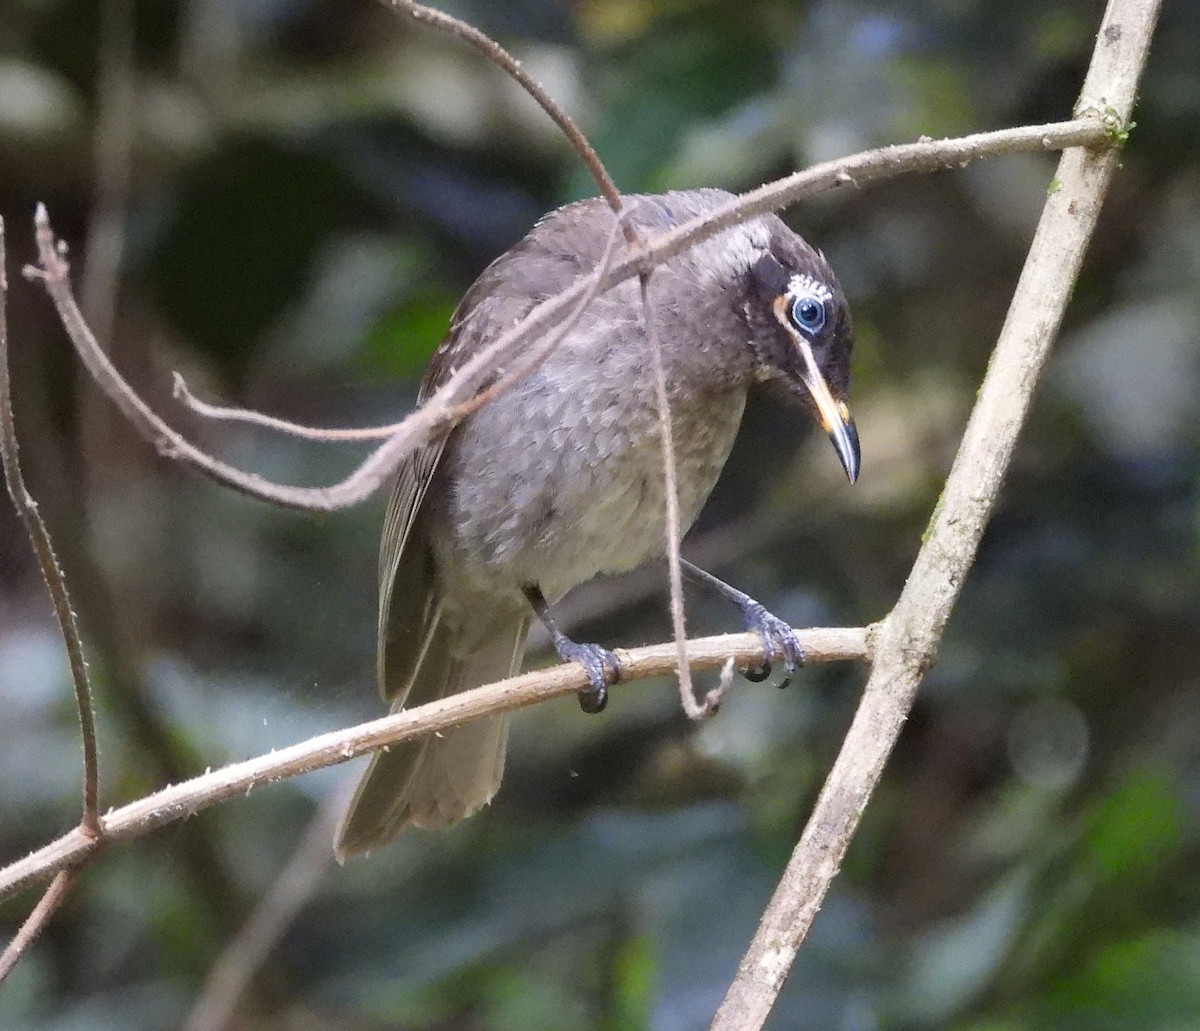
(808, 313)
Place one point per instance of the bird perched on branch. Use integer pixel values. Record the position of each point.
(561, 478)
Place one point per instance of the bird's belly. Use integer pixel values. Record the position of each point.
(614, 527)
(580, 492)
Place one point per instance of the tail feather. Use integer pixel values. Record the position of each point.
(458, 776)
(436, 781)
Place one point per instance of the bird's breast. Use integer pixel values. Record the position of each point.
(562, 477)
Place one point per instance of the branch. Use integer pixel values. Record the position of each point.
(338, 435)
(183, 800)
(910, 635)
(248, 416)
(687, 696)
(436, 416)
(50, 901)
(500, 57)
(52, 573)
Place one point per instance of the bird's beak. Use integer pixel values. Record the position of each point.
(835, 416)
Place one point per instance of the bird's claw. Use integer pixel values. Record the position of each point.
(602, 669)
(779, 642)
(757, 674)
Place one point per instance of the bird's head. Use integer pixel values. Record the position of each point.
(801, 336)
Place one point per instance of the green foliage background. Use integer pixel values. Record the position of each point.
(312, 186)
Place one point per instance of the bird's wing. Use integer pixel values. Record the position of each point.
(408, 590)
(537, 267)
(407, 595)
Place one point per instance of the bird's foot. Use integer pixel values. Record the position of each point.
(601, 666)
(778, 640)
(777, 637)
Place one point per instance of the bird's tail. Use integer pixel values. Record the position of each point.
(436, 781)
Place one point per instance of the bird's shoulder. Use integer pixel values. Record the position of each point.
(564, 244)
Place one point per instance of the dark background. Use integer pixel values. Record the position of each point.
(311, 186)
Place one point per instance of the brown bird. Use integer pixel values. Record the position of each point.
(561, 477)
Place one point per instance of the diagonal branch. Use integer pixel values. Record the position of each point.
(500, 57)
(188, 798)
(910, 635)
(527, 367)
(437, 415)
(40, 915)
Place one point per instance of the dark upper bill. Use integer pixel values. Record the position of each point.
(836, 419)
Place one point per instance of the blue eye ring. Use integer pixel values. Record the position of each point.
(808, 313)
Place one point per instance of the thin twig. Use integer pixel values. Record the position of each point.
(687, 695)
(27, 509)
(52, 572)
(910, 635)
(459, 412)
(433, 418)
(724, 682)
(188, 798)
(321, 434)
(500, 57)
(37, 919)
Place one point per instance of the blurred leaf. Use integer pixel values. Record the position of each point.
(633, 984)
(952, 966)
(1135, 828)
(1150, 983)
(400, 344)
(686, 70)
(518, 999)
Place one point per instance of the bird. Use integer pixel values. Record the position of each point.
(560, 478)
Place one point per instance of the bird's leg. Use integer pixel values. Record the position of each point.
(600, 664)
(777, 636)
